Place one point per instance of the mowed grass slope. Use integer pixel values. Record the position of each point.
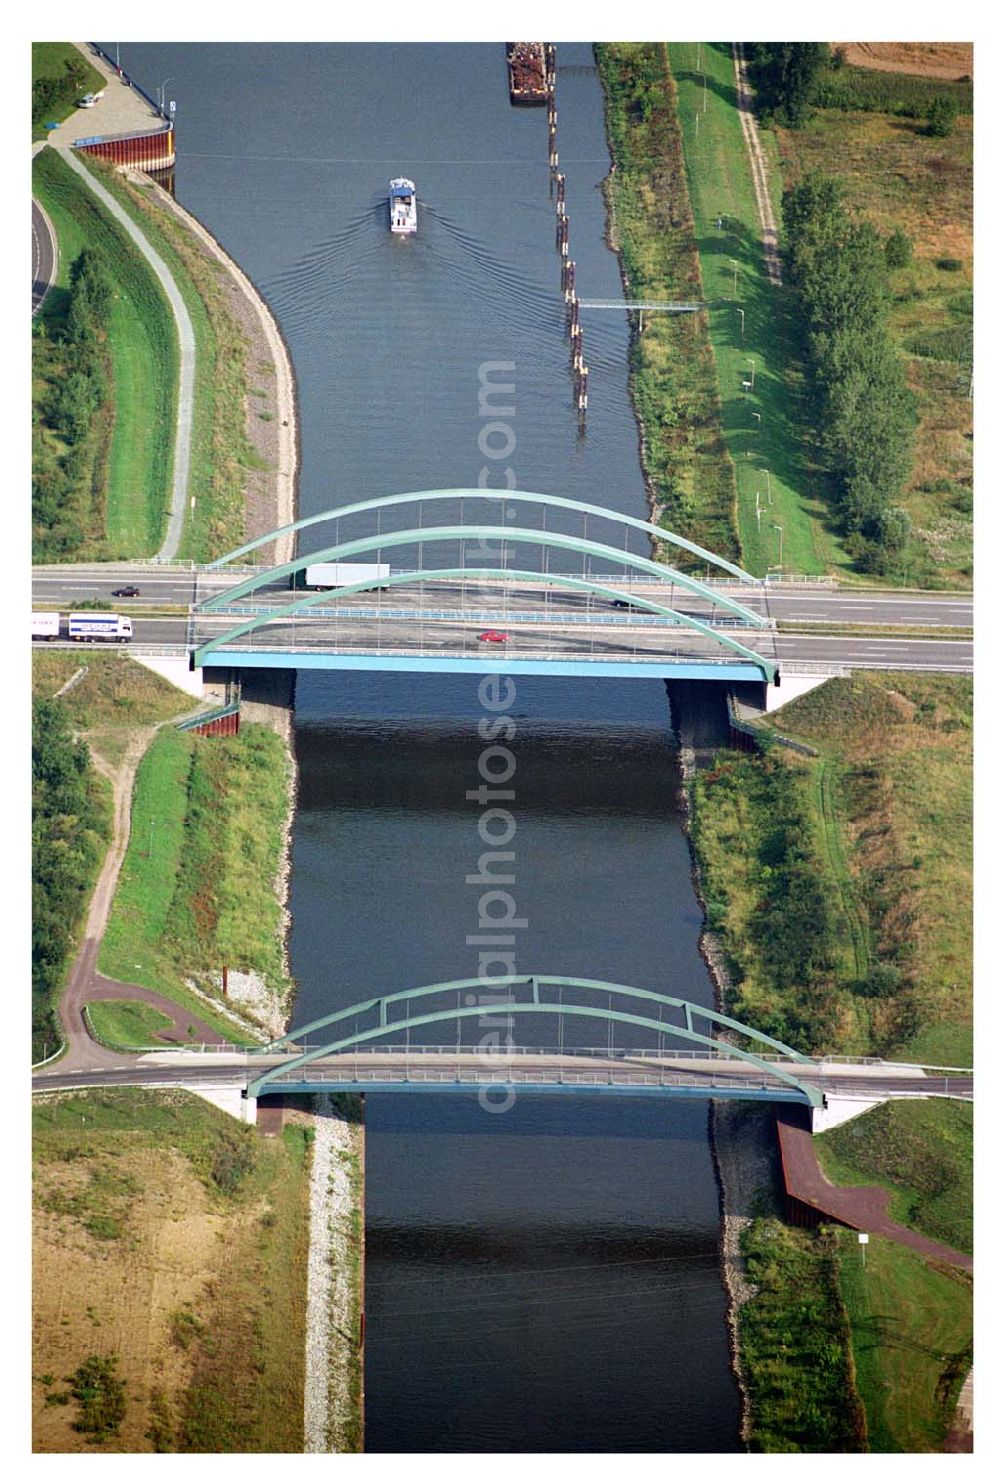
(142, 340)
(752, 327)
(911, 1339)
(220, 451)
(175, 1239)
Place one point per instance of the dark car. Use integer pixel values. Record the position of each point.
(126, 591)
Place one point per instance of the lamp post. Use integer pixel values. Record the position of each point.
(742, 320)
(752, 372)
(163, 93)
(781, 533)
(736, 272)
(768, 475)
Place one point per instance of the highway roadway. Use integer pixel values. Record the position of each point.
(44, 256)
(626, 640)
(62, 585)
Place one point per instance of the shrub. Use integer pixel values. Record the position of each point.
(941, 116)
(102, 1398)
(898, 250)
(948, 264)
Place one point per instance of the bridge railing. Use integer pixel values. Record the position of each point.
(545, 1076)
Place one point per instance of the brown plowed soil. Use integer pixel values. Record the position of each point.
(948, 60)
(860, 1206)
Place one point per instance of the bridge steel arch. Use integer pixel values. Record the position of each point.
(536, 1006)
(566, 581)
(463, 532)
(543, 499)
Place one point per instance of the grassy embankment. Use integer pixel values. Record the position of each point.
(221, 455)
(879, 827)
(752, 325)
(131, 479)
(173, 1240)
(673, 376)
(65, 75)
(125, 1024)
(196, 890)
(894, 174)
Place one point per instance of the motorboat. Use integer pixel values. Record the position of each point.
(402, 207)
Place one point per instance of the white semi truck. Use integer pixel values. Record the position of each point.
(94, 627)
(335, 576)
(44, 627)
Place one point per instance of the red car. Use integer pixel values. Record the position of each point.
(495, 637)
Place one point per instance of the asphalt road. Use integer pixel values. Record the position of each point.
(458, 637)
(882, 1079)
(66, 583)
(44, 258)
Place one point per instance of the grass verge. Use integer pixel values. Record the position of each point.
(197, 884)
(673, 377)
(177, 1239)
(131, 509)
(221, 454)
(922, 1152)
(796, 1344)
(126, 1024)
(49, 62)
(911, 1333)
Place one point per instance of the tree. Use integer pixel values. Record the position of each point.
(785, 75)
(941, 115)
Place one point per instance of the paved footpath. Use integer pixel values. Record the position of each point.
(185, 333)
(863, 1207)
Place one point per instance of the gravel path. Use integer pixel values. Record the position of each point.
(758, 167)
(185, 334)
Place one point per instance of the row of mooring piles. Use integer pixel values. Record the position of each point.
(557, 186)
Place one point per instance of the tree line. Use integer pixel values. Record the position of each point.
(69, 830)
(839, 267)
(72, 414)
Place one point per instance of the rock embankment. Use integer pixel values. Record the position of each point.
(333, 1384)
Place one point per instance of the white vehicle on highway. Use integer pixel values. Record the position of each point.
(94, 627)
(335, 576)
(44, 627)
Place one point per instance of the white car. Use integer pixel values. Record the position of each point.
(88, 101)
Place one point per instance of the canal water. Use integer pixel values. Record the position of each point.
(546, 1278)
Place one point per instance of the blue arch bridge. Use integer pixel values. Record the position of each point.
(516, 581)
(640, 1043)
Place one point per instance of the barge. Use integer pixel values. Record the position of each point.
(526, 72)
(402, 207)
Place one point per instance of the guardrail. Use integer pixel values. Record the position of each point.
(503, 616)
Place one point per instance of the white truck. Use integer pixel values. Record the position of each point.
(94, 627)
(44, 627)
(335, 576)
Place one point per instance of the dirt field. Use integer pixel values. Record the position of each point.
(946, 59)
(198, 1294)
